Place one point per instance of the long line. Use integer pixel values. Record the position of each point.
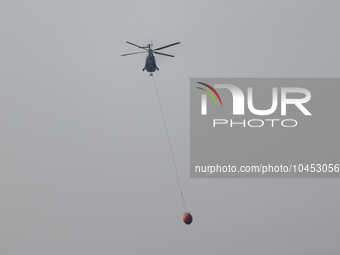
(172, 154)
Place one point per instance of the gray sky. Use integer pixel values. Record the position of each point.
(85, 164)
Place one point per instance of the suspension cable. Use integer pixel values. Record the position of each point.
(172, 154)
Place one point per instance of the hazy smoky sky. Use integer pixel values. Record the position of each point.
(85, 167)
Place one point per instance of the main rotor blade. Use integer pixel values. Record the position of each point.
(163, 54)
(135, 45)
(133, 53)
(167, 46)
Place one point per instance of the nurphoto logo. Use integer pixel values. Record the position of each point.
(238, 104)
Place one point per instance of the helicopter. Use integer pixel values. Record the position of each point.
(150, 62)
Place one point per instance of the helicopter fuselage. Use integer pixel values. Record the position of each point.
(150, 63)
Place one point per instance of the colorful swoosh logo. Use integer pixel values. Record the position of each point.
(207, 91)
